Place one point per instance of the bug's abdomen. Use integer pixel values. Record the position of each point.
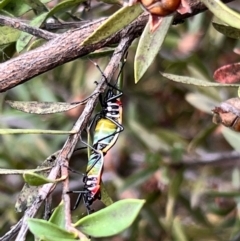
(104, 134)
(95, 164)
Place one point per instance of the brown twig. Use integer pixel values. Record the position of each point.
(219, 159)
(12, 232)
(84, 119)
(18, 24)
(69, 146)
(66, 47)
(31, 211)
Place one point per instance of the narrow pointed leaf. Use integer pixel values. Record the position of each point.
(232, 137)
(29, 193)
(119, 2)
(201, 137)
(178, 231)
(20, 172)
(105, 197)
(42, 228)
(26, 37)
(37, 6)
(35, 107)
(35, 44)
(17, 8)
(99, 54)
(34, 131)
(34, 179)
(50, 238)
(115, 23)
(3, 3)
(8, 35)
(223, 12)
(201, 102)
(112, 219)
(193, 81)
(149, 46)
(58, 216)
(64, 5)
(227, 30)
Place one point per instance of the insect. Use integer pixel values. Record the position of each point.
(108, 125)
(109, 119)
(91, 180)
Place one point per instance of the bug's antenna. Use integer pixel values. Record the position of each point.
(104, 76)
(121, 68)
(98, 67)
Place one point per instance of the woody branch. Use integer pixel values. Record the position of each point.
(67, 47)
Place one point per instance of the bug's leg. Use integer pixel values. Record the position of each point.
(85, 143)
(81, 195)
(74, 171)
(121, 128)
(84, 101)
(115, 97)
(80, 148)
(96, 151)
(96, 117)
(116, 123)
(99, 155)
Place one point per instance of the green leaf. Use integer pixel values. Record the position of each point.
(99, 54)
(3, 3)
(223, 12)
(193, 81)
(178, 231)
(20, 172)
(175, 184)
(26, 37)
(227, 30)
(33, 131)
(149, 46)
(151, 140)
(201, 102)
(58, 216)
(173, 191)
(228, 194)
(232, 137)
(138, 178)
(37, 6)
(105, 197)
(8, 35)
(34, 179)
(64, 5)
(35, 107)
(42, 229)
(119, 2)
(50, 238)
(36, 43)
(112, 219)
(115, 23)
(29, 193)
(201, 137)
(17, 8)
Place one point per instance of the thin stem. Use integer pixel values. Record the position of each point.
(18, 24)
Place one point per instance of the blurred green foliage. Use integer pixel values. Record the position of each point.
(166, 152)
